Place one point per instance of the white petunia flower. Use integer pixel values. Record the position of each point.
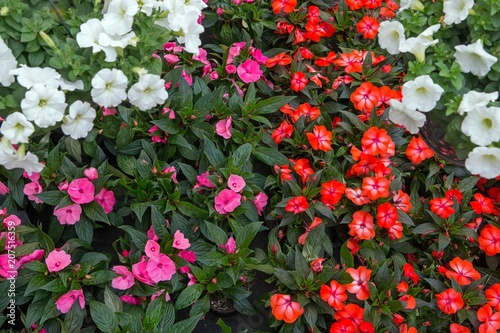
(177, 14)
(11, 159)
(147, 6)
(422, 93)
(148, 92)
(114, 41)
(8, 153)
(413, 4)
(455, 11)
(484, 161)
(482, 125)
(119, 17)
(191, 33)
(70, 86)
(418, 45)
(400, 114)
(80, 120)
(109, 87)
(31, 76)
(391, 34)
(17, 128)
(89, 37)
(474, 99)
(7, 63)
(474, 59)
(195, 4)
(44, 105)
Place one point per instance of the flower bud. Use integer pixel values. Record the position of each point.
(4, 11)
(49, 41)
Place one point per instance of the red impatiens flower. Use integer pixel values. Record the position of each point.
(376, 187)
(366, 327)
(284, 172)
(491, 320)
(395, 231)
(492, 295)
(489, 240)
(297, 205)
(287, 6)
(376, 141)
(362, 225)
(354, 4)
(483, 205)
(352, 62)
(357, 196)
(359, 286)
(279, 59)
(302, 168)
(417, 150)
(387, 215)
(402, 201)
(368, 27)
(454, 194)
(443, 207)
(320, 138)
(409, 272)
(331, 192)
(366, 97)
(283, 308)
(343, 326)
(372, 4)
(326, 61)
(298, 81)
(334, 295)
(306, 110)
(449, 301)
(462, 271)
(456, 328)
(353, 312)
(284, 130)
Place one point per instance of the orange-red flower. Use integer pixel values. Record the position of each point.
(462, 271)
(366, 327)
(417, 150)
(353, 312)
(483, 205)
(376, 187)
(284, 172)
(359, 286)
(492, 295)
(357, 196)
(354, 4)
(372, 4)
(395, 231)
(334, 295)
(456, 328)
(375, 141)
(387, 215)
(279, 59)
(306, 110)
(298, 81)
(491, 320)
(283, 308)
(320, 138)
(331, 192)
(449, 301)
(317, 265)
(343, 326)
(368, 27)
(362, 225)
(410, 301)
(302, 168)
(287, 6)
(326, 61)
(410, 273)
(489, 240)
(402, 201)
(454, 194)
(352, 62)
(297, 205)
(443, 207)
(283, 131)
(366, 97)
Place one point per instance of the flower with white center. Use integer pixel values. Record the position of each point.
(455, 11)
(177, 14)
(89, 37)
(11, 159)
(17, 128)
(119, 18)
(148, 92)
(191, 33)
(413, 4)
(114, 41)
(70, 86)
(8, 153)
(109, 87)
(474, 99)
(400, 114)
(484, 161)
(80, 120)
(7, 63)
(422, 93)
(196, 5)
(474, 59)
(31, 76)
(418, 45)
(482, 125)
(391, 34)
(44, 105)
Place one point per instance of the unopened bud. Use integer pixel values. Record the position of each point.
(4, 11)
(49, 41)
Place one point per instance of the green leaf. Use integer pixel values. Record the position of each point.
(215, 233)
(405, 218)
(436, 285)
(425, 228)
(166, 125)
(52, 198)
(355, 120)
(95, 212)
(112, 300)
(185, 326)
(191, 210)
(245, 235)
(346, 257)
(242, 154)
(286, 278)
(154, 312)
(223, 326)
(189, 295)
(84, 230)
(158, 221)
(214, 155)
(74, 148)
(179, 140)
(104, 318)
(138, 238)
(74, 319)
(56, 286)
(100, 277)
(270, 105)
(37, 282)
(270, 156)
(189, 172)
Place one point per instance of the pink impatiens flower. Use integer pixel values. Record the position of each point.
(91, 173)
(36, 255)
(249, 71)
(203, 180)
(3, 189)
(106, 199)
(81, 191)
(57, 260)
(11, 221)
(189, 256)
(180, 242)
(31, 189)
(223, 127)
(227, 201)
(260, 202)
(6, 269)
(230, 245)
(152, 248)
(68, 214)
(140, 272)
(160, 268)
(236, 183)
(66, 301)
(151, 234)
(125, 280)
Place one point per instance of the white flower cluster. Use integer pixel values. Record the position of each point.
(114, 31)
(481, 122)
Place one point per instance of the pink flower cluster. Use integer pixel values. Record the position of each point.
(229, 199)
